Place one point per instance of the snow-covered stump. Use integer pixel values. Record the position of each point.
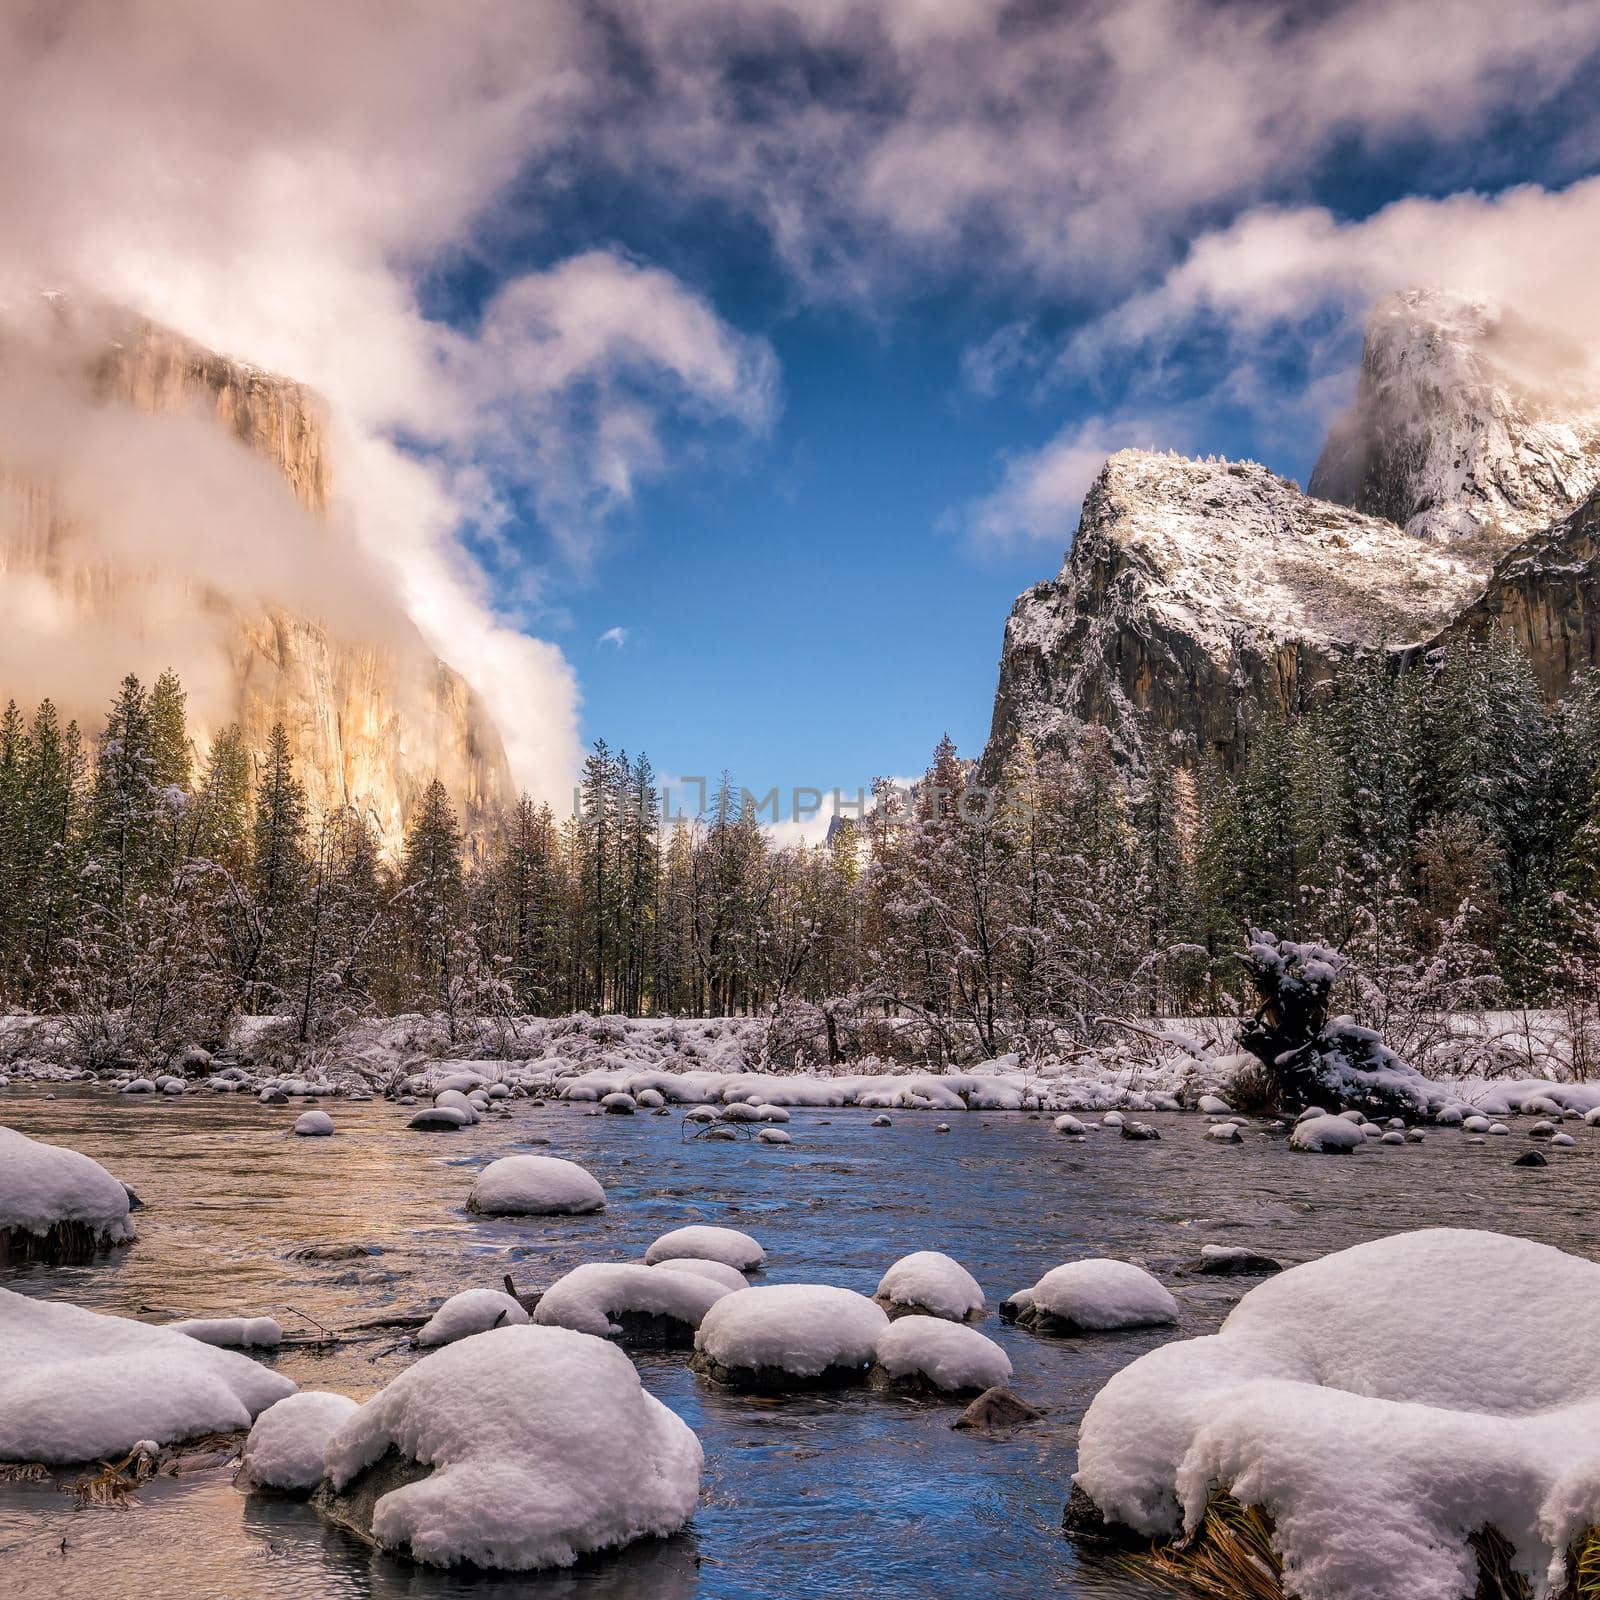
(57, 1206)
(1307, 1058)
(1096, 1296)
(929, 1283)
(518, 1449)
(535, 1186)
(786, 1337)
(657, 1306)
(76, 1386)
(1417, 1418)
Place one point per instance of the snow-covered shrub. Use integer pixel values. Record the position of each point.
(78, 1386)
(286, 1443)
(522, 1448)
(927, 1281)
(1381, 1408)
(57, 1205)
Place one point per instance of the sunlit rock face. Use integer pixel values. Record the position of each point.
(372, 715)
(1469, 425)
(1545, 594)
(1197, 596)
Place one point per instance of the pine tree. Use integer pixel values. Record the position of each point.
(433, 891)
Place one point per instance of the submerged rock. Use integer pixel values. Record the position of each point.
(997, 1408)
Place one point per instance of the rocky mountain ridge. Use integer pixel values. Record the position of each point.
(1200, 595)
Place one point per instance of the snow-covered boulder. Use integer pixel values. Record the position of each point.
(789, 1336)
(773, 1136)
(639, 1305)
(453, 1099)
(78, 1386)
(1379, 1406)
(522, 1448)
(442, 1119)
(535, 1186)
(313, 1124)
(933, 1353)
(232, 1333)
(286, 1444)
(713, 1271)
(1067, 1123)
(1092, 1297)
(55, 1204)
(704, 1243)
(469, 1312)
(1327, 1136)
(618, 1104)
(929, 1282)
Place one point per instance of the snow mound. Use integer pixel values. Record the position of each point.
(472, 1311)
(78, 1386)
(790, 1330)
(1092, 1297)
(543, 1445)
(284, 1450)
(43, 1186)
(933, 1283)
(727, 1245)
(1327, 1135)
(535, 1186)
(232, 1333)
(1380, 1404)
(949, 1357)
(313, 1124)
(713, 1271)
(596, 1297)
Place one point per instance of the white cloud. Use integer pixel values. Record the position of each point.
(617, 636)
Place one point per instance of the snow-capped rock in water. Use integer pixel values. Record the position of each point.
(712, 1271)
(704, 1243)
(441, 1119)
(286, 1443)
(78, 1386)
(469, 1312)
(1091, 1297)
(1469, 424)
(232, 1333)
(931, 1352)
(927, 1281)
(57, 1205)
(1379, 1405)
(520, 1448)
(789, 1336)
(313, 1124)
(535, 1186)
(1331, 1136)
(1194, 584)
(639, 1305)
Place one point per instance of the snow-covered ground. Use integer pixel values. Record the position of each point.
(1493, 1062)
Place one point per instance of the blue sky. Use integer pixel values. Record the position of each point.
(816, 603)
(785, 336)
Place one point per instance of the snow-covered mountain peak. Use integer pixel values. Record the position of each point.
(1470, 424)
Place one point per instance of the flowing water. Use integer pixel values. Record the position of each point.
(834, 1495)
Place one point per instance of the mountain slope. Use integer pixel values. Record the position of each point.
(1198, 593)
(1468, 426)
(371, 714)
